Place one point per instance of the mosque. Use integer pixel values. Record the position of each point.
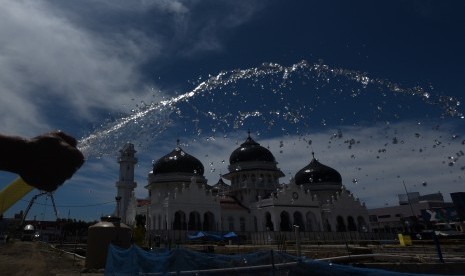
(251, 199)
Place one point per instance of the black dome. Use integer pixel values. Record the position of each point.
(251, 151)
(178, 161)
(315, 173)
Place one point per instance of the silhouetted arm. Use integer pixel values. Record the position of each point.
(44, 162)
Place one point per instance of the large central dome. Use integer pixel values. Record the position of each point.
(315, 173)
(178, 161)
(251, 151)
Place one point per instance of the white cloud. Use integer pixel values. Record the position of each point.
(47, 60)
(86, 58)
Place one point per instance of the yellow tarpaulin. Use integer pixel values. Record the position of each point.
(405, 240)
(12, 193)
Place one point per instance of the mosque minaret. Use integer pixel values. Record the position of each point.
(126, 184)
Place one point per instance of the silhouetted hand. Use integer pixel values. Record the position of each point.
(49, 160)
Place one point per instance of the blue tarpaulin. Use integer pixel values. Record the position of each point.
(206, 236)
(196, 236)
(136, 261)
(230, 236)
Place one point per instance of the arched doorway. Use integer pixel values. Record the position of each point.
(179, 221)
(268, 222)
(285, 224)
(351, 226)
(208, 221)
(299, 221)
(340, 225)
(194, 221)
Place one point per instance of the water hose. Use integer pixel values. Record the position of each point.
(16, 190)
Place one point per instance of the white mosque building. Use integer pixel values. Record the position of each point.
(179, 197)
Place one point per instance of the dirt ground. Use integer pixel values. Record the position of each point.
(35, 258)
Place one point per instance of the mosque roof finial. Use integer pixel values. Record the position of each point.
(313, 155)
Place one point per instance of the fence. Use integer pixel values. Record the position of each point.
(275, 237)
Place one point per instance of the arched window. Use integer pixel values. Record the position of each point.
(351, 224)
(340, 226)
(255, 223)
(285, 224)
(194, 221)
(268, 222)
(208, 221)
(299, 221)
(179, 221)
(261, 180)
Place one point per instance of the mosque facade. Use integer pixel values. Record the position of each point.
(247, 198)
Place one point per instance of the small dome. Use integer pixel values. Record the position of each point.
(178, 161)
(315, 173)
(251, 151)
(220, 186)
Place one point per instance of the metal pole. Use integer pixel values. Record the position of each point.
(438, 247)
(297, 239)
(272, 262)
(409, 203)
(54, 206)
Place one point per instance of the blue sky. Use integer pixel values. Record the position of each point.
(368, 86)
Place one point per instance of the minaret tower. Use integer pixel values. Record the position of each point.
(125, 184)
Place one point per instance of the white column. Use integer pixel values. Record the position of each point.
(125, 185)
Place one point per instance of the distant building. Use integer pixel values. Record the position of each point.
(458, 200)
(253, 200)
(415, 212)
